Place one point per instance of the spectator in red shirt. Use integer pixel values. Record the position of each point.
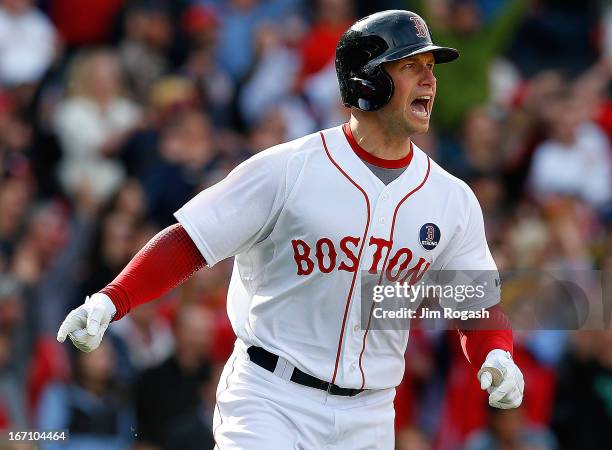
(332, 18)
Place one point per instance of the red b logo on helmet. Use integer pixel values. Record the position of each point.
(420, 27)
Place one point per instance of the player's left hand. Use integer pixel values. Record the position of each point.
(85, 325)
(504, 382)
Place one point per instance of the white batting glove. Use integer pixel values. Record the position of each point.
(86, 324)
(502, 379)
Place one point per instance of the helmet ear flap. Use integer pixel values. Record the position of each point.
(373, 92)
(386, 82)
(364, 91)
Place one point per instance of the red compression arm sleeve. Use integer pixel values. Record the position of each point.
(167, 260)
(480, 336)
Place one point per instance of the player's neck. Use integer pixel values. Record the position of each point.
(376, 139)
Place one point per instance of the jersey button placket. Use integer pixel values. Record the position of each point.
(380, 230)
(354, 341)
(381, 212)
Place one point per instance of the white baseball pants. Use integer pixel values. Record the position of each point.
(260, 410)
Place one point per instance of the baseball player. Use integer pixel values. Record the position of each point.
(304, 219)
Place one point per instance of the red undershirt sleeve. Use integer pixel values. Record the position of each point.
(167, 260)
(480, 336)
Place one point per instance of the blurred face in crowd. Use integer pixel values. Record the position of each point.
(466, 16)
(604, 354)
(136, 24)
(243, 4)
(105, 76)
(490, 192)
(409, 110)
(159, 30)
(96, 75)
(130, 199)
(143, 316)
(11, 312)
(481, 135)
(14, 198)
(541, 91)
(188, 139)
(566, 116)
(5, 347)
(334, 11)
(193, 331)
(197, 139)
(411, 439)
(16, 134)
(592, 91)
(269, 132)
(16, 6)
(268, 37)
(481, 129)
(117, 234)
(152, 27)
(49, 231)
(142, 234)
(97, 367)
(584, 344)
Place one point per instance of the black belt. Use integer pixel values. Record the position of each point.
(268, 361)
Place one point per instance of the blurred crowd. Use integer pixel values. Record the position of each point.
(113, 113)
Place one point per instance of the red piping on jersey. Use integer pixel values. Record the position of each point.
(380, 162)
(385, 264)
(363, 240)
(217, 401)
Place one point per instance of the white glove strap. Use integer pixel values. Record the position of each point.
(103, 300)
(498, 359)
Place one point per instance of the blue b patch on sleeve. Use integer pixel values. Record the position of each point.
(429, 236)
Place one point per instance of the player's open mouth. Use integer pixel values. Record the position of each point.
(421, 106)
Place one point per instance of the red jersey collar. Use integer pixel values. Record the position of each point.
(380, 162)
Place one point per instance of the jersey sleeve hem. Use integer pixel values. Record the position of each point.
(197, 238)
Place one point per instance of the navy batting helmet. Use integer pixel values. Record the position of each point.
(374, 40)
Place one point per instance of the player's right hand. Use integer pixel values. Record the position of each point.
(507, 386)
(85, 325)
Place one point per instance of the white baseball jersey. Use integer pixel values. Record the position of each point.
(303, 219)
